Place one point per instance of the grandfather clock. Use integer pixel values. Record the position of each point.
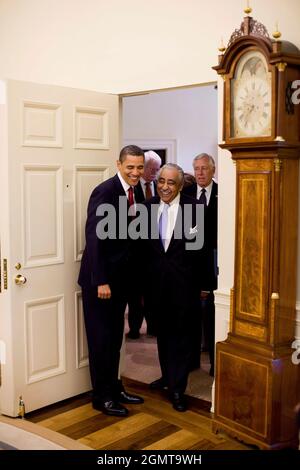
(257, 384)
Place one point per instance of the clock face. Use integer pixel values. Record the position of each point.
(251, 97)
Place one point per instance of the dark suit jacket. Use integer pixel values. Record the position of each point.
(176, 275)
(139, 193)
(210, 226)
(104, 261)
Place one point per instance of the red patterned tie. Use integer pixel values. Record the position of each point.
(148, 192)
(131, 201)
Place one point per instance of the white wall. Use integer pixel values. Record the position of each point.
(189, 116)
(226, 226)
(120, 46)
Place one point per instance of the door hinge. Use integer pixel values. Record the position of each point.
(21, 413)
(5, 273)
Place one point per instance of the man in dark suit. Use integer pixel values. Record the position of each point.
(105, 279)
(176, 265)
(206, 191)
(139, 304)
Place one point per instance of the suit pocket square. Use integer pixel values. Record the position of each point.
(193, 230)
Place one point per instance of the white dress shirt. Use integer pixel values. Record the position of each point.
(151, 186)
(126, 186)
(208, 190)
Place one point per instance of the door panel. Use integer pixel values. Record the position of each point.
(56, 145)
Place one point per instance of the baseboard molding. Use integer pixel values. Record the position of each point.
(59, 441)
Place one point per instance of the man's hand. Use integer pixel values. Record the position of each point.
(104, 291)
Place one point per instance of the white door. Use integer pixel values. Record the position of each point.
(56, 145)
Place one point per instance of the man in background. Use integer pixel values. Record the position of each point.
(146, 188)
(206, 191)
(139, 304)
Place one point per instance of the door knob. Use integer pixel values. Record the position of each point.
(19, 279)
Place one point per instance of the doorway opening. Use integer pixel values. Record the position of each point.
(178, 124)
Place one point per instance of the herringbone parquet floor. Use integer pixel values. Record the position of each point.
(154, 425)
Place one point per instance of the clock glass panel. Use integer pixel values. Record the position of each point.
(251, 97)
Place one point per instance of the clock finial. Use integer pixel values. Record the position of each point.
(247, 9)
(277, 34)
(221, 47)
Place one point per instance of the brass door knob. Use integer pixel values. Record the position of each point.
(19, 279)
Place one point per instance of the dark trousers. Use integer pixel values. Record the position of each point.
(204, 327)
(139, 307)
(174, 348)
(135, 312)
(104, 323)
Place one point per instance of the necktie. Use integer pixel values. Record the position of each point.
(148, 192)
(163, 224)
(202, 198)
(131, 201)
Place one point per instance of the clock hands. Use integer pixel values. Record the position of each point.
(253, 105)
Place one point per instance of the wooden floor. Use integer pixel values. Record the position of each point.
(154, 425)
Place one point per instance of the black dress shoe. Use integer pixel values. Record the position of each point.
(158, 384)
(125, 397)
(110, 407)
(179, 401)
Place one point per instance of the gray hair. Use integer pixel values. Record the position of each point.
(173, 166)
(151, 155)
(211, 161)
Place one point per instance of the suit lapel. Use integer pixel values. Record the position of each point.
(118, 188)
(138, 193)
(118, 191)
(214, 194)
